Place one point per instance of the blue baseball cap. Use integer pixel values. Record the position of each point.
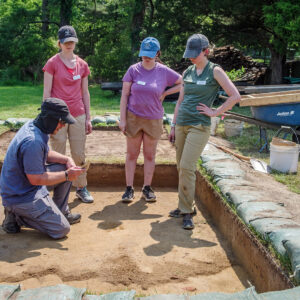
(149, 47)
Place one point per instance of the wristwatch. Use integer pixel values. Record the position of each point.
(67, 175)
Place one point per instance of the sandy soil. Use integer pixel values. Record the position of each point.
(119, 247)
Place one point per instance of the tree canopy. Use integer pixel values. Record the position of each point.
(110, 31)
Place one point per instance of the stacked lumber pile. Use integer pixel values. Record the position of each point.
(270, 98)
(230, 58)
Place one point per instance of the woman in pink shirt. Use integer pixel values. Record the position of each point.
(66, 78)
(141, 113)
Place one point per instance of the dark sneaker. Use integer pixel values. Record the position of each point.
(176, 213)
(128, 195)
(148, 194)
(73, 218)
(188, 222)
(84, 195)
(10, 224)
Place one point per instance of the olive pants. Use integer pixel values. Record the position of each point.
(190, 142)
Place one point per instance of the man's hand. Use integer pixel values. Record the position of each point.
(70, 163)
(74, 172)
(88, 127)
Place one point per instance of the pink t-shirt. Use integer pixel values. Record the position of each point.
(66, 84)
(146, 89)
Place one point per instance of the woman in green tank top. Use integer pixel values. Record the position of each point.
(190, 128)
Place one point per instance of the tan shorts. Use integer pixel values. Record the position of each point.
(136, 126)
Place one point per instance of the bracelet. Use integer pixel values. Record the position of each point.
(67, 175)
(173, 124)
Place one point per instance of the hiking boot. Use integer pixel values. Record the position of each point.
(176, 213)
(84, 195)
(10, 224)
(148, 194)
(128, 195)
(73, 218)
(188, 223)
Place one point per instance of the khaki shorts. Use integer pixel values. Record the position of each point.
(136, 126)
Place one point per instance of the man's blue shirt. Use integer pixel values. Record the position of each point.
(26, 154)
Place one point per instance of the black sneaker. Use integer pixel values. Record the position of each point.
(10, 224)
(188, 223)
(128, 195)
(176, 213)
(73, 218)
(148, 194)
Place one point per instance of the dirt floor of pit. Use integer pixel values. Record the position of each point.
(120, 247)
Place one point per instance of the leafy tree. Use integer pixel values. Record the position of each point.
(110, 31)
(267, 24)
(21, 43)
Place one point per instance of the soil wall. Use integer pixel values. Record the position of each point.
(101, 174)
(265, 272)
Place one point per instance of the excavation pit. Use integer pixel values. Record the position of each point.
(137, 246)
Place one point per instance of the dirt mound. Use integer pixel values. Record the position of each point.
(230, 58)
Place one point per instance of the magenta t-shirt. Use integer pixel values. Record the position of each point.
(66, 84)
(146, 89)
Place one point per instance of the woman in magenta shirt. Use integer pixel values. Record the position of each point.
(66, 78)
(141, 112)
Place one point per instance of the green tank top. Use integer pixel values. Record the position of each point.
(202, 88)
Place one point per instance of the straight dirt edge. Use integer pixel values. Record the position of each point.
(101, 174)
(266, 274)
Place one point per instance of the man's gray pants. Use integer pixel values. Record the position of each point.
(47, 214)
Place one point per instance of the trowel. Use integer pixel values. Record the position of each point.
(256, 164)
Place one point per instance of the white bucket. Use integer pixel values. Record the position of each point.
(284, 156)
(233, 127)
(214, 125)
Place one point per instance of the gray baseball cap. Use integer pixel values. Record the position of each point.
(195, 44)
(67, 34)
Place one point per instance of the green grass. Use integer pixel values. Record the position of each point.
(24, 101)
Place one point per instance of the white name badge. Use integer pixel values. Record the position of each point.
(201, 82)
(76, 77)
(141, 82)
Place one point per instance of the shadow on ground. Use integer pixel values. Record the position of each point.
(113, 215)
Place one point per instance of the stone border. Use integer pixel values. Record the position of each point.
(266, 274)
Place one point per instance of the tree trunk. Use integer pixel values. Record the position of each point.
(45, 18)
(276, 66)
(65, 12)
(136, 26)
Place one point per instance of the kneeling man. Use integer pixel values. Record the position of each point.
(30, 170)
